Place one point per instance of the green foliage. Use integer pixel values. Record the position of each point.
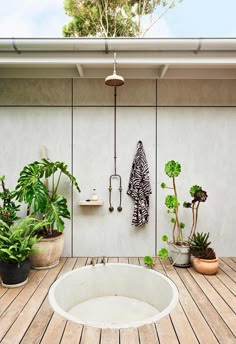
(172, 168)
(165, 238)
(163, 185)
(8, 208)
(171, 202)
(148, 260)
(173, 220)
(163, 253)
(199, 196)
(198, 243)
(187, 205)
(31, 190)
(182, 225)
(193, 189)
(16, 241)
(109, 18)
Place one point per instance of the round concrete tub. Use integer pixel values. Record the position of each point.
(113, 296)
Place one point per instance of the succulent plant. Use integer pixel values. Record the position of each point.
(208, 254)
(148, 260)
(199, 243)
(172, 170)
(198, 196)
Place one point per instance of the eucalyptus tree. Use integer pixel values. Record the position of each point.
(112, 18)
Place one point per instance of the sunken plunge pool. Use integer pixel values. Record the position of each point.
(113, 295)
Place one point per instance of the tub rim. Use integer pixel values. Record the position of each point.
(101, 325)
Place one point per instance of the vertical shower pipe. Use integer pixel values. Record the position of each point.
(115, 80)
(111, 208)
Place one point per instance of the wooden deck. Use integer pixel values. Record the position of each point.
(206, 312)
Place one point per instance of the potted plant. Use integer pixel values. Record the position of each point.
(179, 247)
(204, 257)
(8, 208)
(46, 204)
(16, 245)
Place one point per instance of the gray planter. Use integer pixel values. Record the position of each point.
(180, 255)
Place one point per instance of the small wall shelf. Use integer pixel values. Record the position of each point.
(90, 203)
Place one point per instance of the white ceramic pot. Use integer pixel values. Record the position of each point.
(180, 255)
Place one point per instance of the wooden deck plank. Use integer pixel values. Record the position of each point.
(40, 322)
(72, 333)
(182, 329)
(109, 336)
(227, 269)
(229, 262)
(166, 332)
(57, 324)
(80, 262)
(165, 328)
(222, 308)
(25, 318)
(124, 260)
(228, 282)
(54, 330)
(90, 335)
(11, 294)
(134, 260)
(129, 336)
(148, 334)
(219, 328)
(197, 321)
(223, 291)
(13, 311)
(113, 260)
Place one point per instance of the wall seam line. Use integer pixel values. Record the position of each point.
(72, 166)
(156, 172)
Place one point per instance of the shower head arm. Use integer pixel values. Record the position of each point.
(114, 71)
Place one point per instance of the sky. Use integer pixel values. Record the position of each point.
(190, 18)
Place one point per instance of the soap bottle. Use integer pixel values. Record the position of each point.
(94, 196)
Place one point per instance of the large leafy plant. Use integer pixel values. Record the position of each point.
(16, 241)
(8, 208)
(48, 203)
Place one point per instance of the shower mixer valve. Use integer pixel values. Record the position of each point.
(111, 208)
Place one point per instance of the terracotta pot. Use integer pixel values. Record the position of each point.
(180, 255)
(206, 266)
(50, 250)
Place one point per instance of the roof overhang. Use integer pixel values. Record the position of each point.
(137, 58)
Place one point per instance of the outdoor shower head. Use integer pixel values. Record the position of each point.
(114, 79)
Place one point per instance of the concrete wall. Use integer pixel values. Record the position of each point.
(193, 122)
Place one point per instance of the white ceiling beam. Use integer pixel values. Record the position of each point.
(134, 73)
(163, 71)
(80, 70)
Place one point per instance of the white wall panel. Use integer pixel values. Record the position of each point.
(98, 232)
(203, 140)
(23, 132)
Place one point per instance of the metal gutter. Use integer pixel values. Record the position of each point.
(107, 45)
